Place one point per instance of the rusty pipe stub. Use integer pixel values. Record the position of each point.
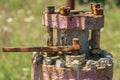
(71, 4)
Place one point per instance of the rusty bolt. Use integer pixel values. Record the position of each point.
(75, 41)
(95, 5)
(96, 9)
(64, 10)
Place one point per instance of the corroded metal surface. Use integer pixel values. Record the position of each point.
(37, 73)
(71, 59)
(75, 46)
(79, 22)
(95, 42)
(52, 73)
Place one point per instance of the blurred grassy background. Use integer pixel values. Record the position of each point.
(20, 25)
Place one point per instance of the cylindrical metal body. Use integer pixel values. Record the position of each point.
(50, 72)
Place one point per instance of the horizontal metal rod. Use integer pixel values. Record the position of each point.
(42, 49)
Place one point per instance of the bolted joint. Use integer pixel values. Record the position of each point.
(64, 10)
(96, 9)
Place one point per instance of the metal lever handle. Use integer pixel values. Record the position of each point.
(42, 49)
(75, 46)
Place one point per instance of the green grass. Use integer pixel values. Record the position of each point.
(20, 25)
(110, 39)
